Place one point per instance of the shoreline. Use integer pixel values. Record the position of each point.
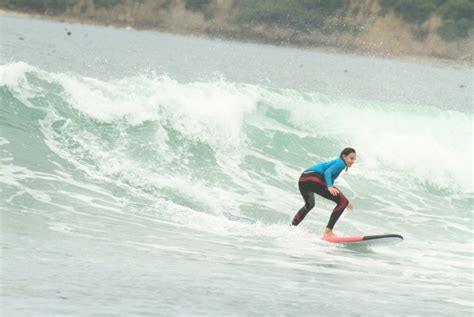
(226, 35)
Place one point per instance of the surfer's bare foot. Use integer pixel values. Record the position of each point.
(328, 233)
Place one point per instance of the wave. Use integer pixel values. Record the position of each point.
(395, 142)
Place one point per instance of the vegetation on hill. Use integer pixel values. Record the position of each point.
(457, 15)
(304, 15)
(434, 29)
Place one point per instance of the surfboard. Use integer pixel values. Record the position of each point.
(379, 239)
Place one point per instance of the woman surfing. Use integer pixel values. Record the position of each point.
(319, 179)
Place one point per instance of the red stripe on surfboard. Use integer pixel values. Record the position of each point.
(343, 239)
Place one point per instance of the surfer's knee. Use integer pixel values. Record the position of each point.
(309, 205)
(309, 202)
(342, 203)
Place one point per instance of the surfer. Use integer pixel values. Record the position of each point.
(319, 179)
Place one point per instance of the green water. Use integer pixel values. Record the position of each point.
(151, 174)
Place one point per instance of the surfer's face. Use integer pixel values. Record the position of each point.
(349, 159)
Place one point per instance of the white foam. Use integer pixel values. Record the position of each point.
(210, 112)
(13, 74)
(4, 141)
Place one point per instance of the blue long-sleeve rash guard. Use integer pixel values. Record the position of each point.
(330, 170)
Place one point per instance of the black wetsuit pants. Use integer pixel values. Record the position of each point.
(311, 183)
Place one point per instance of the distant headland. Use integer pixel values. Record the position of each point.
(435, 30)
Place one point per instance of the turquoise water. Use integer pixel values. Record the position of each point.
(151, 174)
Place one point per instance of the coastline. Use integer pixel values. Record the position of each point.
(249, 37)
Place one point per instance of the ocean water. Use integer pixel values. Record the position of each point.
(145, 173)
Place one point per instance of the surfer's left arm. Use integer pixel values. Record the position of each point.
(332, 173)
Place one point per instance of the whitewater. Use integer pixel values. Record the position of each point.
(145, 173)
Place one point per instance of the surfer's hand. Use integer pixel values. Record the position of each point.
(349, 206)
(333, 191)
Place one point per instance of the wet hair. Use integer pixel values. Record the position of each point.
(345, 152)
